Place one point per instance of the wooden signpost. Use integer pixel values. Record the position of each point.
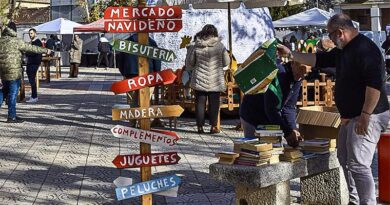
(145, 160)
(143, 50)
(154, 137)
(142, 20)
(159, 111)
(147, 187)
(164, 77)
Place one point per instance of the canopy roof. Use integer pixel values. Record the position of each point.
(57, 26)
(96, 26)
(311, 17)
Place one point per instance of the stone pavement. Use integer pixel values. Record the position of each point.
(63, 153)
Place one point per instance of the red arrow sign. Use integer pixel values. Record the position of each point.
(146, 160)
(156, 12)
(149, 80)
(142, 26)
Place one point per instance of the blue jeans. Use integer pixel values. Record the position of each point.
(12, 86)
(32, 75)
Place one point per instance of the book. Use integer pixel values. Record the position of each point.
(238, 142)
(243, 150)
(293, 154)
(256, 146)
(226, 161)
(245, 163)
(274, 159)
(287, 159)
(268, 127)
(254, 156)
(230, 155)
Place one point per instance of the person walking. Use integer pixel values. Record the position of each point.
(386, 47)
(33, 62)
(208, 59)
(360, 96)
(104, 49)
(75, 56)
(11, 49)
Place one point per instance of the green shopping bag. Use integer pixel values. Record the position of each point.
(258, 70)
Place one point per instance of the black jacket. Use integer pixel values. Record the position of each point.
(34, 58)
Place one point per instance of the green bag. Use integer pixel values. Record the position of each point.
(258, 70)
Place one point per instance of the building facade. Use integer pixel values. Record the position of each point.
(69, 9)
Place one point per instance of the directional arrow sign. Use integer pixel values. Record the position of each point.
(143, 26)
(149, 80)
(143, 50)
(145, 160)
(147, 187)
(146, 113)
(154, 137)
(156, 12)
(125, 181)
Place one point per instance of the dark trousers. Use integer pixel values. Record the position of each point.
(100, 58)
(213, 107)
(32, 74)
(74, 70)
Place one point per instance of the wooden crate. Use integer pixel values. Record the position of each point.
(323, 93)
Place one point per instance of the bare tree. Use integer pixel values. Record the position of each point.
(8, 10)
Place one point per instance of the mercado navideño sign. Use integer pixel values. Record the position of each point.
(145, 160)
(154, 137)
(164, 77)
(159, 111)
(144, 50)
(142, 19)
(152, 186)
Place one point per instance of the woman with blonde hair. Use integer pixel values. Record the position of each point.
(207, 59)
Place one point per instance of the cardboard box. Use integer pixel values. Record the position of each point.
(258, 70)
(319, 122)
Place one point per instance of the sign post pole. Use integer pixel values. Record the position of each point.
(144, 101)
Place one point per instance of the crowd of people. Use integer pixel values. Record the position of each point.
(356, 62)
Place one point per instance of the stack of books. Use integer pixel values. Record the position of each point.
(291, 154)
(238, 142)
(271, 134)
(318, 145)
(256, 154)
(226, 157)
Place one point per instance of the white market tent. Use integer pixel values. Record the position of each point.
(312, 17)
(58, 26)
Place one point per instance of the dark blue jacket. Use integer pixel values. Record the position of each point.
(34, 58)
(128, 63)
(262, 109)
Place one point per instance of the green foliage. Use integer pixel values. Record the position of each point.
(282, 12)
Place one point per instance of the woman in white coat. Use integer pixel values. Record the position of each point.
(207, 57)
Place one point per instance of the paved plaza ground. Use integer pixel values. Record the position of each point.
(63, 153)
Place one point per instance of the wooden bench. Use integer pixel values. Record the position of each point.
(322, 181)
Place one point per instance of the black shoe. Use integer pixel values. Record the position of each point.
(200, 130)
(15, 120)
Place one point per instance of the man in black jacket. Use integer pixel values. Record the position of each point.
(33, 62)
(360, 95)
(104, 49)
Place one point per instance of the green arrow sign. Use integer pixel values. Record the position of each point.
(143, 50)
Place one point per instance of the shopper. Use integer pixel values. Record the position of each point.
(33, 62)
(75, 56)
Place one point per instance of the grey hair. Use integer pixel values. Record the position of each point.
(341, 21)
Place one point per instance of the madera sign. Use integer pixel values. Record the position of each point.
(147, 187)
(156, 12)
(149, 80)
(154, 137)
(142, 26)
(144, 50)
(145, 160)
(159, 111)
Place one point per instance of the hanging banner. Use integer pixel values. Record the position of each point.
(145, 160)
(142, 26)
(152, 186)
(156, 12)
(159, 111)
(143, 50)
(154, 137)
(164, 77)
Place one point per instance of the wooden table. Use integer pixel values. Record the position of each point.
(46, 65)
